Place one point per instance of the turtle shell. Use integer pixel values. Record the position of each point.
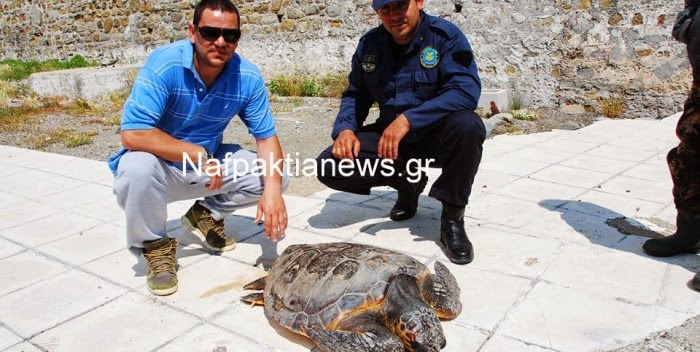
(319, 284)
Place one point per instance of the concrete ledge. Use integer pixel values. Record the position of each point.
(87, 83)
(499, 96)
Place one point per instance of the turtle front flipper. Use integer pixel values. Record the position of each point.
(254, 299)
(441, 292)
(374, 338)
(258, 284)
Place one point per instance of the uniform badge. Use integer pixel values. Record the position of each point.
(368, 63)
(429, 57)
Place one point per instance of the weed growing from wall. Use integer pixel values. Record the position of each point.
(515, 101)
(613, 107)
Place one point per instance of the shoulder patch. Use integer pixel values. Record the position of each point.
(368, 63)
(463, 57)
(429, 57)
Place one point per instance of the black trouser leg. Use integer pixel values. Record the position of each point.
(360, 175)
(457, 145)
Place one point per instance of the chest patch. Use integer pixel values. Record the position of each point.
(368, 63)
(429, 57)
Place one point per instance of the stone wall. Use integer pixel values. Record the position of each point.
(552, 52)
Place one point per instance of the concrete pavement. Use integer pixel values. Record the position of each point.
(552, 272)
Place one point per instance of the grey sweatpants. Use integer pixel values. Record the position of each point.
(145, 184)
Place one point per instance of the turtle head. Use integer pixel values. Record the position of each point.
(421, 331)
(411, 318)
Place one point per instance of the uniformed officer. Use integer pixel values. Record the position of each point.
(684, 160)
(421, 71)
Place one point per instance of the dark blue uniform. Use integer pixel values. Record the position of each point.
(434, 82)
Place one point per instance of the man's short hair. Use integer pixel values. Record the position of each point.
(215, 5)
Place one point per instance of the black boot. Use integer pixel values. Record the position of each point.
(696, 281)
(685, 240)
(407, 203)
(452, 234)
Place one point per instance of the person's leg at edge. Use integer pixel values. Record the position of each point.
(457, 145)
(140, 187)
(684, 165)
(242, 186)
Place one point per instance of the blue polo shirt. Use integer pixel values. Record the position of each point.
(169, 94)
(426, 80)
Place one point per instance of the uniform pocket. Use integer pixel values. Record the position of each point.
(425, 84)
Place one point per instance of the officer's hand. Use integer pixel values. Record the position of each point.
(346, 145)
(389, 143)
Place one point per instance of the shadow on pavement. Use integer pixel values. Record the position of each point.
(606, 227)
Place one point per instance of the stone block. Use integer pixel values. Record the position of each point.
(86, 83)
(498, 96)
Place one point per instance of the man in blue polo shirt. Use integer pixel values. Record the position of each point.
(172, 129)
(421, 71)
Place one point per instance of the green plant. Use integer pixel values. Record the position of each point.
(5, 92)
(79, 139)
(14, 70)
(296, 101)
(14, 118)
(335, 84)
(310, 87)
(68, 136)
(302, 85)
(283, 86)
(113, 120)
(515, 101)
(613, 107)
(79, 106)
(525, 115)
(119, 97)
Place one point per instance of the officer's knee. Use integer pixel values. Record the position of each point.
(465, 124)
(325, 166)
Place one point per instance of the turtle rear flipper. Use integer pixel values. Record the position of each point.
(254, 299)
(441, 292)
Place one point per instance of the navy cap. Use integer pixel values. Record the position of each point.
(377, 4)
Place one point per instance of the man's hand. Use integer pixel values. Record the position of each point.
(389, 142)
(272, 208)
(271, 205)
(212, 168)
(346, 145)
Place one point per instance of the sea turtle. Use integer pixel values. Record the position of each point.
(353, 297)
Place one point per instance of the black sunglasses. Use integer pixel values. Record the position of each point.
(213, 33)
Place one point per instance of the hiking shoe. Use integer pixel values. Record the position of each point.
(199, 222)
(162, 266)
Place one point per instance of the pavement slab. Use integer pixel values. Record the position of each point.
(551, 272)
